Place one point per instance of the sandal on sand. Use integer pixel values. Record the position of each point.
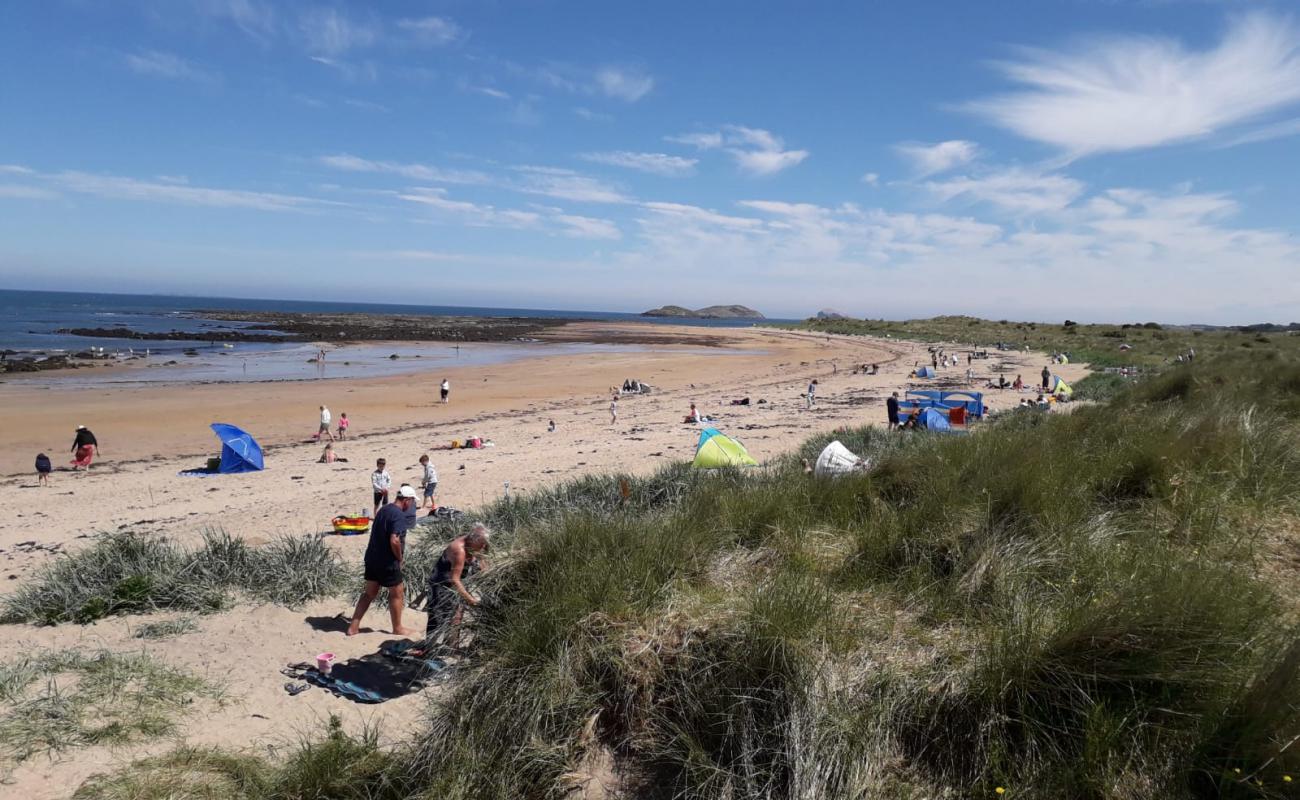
(296, 688)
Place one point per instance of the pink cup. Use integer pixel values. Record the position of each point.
(325, 662)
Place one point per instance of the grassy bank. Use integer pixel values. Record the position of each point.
(1072, 606)
(1151, 345)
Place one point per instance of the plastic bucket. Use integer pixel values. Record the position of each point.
(325, 663)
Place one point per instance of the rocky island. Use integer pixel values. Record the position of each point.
(710, 312)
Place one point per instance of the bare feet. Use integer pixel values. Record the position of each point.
(404, 632)
(354, 628)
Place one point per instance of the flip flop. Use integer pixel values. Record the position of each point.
(295, 689)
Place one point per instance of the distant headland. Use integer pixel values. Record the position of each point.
(710, 312)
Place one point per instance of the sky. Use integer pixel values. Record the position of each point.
(1027, 159)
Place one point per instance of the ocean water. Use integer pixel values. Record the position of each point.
(28, 320)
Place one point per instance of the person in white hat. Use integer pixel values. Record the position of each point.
(385, 555)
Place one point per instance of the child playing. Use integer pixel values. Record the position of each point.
(343, 425)
(43, 469)
(429, 481)
(381, 481)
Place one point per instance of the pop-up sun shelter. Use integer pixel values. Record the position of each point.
(1060, 387)
(717, 450)
(925, 372)
(932, 419)
(836, 459)
(240, 452)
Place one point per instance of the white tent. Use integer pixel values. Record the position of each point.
(837, 459)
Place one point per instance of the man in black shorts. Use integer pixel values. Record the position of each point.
(384, 557)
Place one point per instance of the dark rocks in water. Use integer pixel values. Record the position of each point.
(394, 357)
(172, 336)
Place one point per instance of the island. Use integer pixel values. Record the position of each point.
(830, 313)
(710, 312)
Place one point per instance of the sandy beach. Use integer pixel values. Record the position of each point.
(150, 433)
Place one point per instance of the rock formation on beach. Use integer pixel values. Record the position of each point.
(709, 312)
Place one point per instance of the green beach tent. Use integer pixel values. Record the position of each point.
(717, 450)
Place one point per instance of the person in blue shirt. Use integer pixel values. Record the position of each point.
(385, 555)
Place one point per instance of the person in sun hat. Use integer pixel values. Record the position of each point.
(385, 555)
(84, 448)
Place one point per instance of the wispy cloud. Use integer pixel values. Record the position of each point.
(931, 159)
(871, 179)
(328, 32)
(1128, 93)
(592, 116)
(564, 184)
(623, 84)
(654, 163)
(431, 31)
(255, 19)
(116, 187)
(157, 64)
(20, 192)
(551, 220)
(1278, 130)
(1016, 190)
(419, 172)
(755, 151)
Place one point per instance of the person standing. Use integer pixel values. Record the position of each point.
(811, 397)
(343, 426)
(445, 389)
(380, 481)
(447, 593)
(84, 448)
(613, 410)
(891, 410)
(385, 556)
(1047, 379)
(324, 428)
(429, 482)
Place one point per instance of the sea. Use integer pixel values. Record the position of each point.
(30, 321)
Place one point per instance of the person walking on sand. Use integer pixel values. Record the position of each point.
(445, 389)
(385, 556)
(891, 410)
(343, 426)
(613, 410)
(380, 481)
(1047, 378)
(429, 481)
(811, 397)
(447, 593)
(43, 469)
(324, 429)
(84, 448)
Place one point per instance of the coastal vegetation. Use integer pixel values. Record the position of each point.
(1091, 605)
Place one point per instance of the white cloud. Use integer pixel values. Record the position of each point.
(157, 64)
(700, 141)
(434, 31)
(487, 216)
(490, 92)
(931, 159)
(871, 179)
(588, 227)
(567, 185)
(755, 151)
(327, 32)
(122, 188)
(682, 212)
(419, 172)
(593, 116)
(624, 84)
(253, 18)
(1015, 190)
(1278, 130)
(654, 163)
(1128, 93)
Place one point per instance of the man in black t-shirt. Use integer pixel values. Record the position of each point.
(384, 557)
(891, 410)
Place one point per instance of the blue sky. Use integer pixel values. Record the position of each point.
(1039, 159)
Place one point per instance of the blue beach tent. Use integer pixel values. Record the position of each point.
(240, 452)
(925, 372)
(932, 419)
